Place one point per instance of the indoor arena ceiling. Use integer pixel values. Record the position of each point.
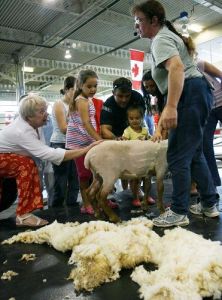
(97, 33)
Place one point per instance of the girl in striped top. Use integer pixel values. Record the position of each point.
(81, 130)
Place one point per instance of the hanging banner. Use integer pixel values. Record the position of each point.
(136, 63)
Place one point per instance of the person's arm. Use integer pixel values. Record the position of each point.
(83, 108)
(212, 70)
(73, 154)
(106, 132)
(60, 116)
(175, 69)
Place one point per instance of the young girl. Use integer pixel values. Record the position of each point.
(81, 129)
(66, 184)
(135, 131)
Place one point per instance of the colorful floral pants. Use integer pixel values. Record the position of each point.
(25, 172)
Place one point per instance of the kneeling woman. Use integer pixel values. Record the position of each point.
(19, 142)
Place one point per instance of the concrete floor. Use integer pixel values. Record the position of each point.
(52, 265)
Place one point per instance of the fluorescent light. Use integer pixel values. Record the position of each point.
(195, 27)
(28, 69)
(68, 54)
(216, 8)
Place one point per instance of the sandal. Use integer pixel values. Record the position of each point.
(112, 204)
(30, 220)
(136, 203)
(150, 200)
(87, 210)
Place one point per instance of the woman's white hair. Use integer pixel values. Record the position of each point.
(30, 104)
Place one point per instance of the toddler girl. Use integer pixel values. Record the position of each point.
(136, 131)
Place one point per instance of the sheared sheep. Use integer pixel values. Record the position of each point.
(111, 160)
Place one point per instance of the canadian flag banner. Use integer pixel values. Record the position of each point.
(136, 63)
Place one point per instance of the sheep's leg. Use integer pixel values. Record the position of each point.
(93, 189)
(160, 190)
(107, 210)
(92, 193)
(147, 188)
(84, 185)
(134, 186)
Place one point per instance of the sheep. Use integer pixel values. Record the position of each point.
(111, 160)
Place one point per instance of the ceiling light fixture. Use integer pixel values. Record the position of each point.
(28, 69)
(195, 27)
(68, 54)
(185, 32)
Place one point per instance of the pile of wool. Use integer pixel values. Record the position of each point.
(62, 237)
(189, 267)
(101, 255)
(99, 249)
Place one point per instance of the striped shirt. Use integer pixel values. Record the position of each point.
(217, 86)
(76, 135)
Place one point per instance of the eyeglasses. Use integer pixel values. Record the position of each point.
(138, 20)
(42, 111)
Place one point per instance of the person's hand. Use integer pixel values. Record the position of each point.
(168, 118)
(95, 144)
(141, 138)
(157, 137)
(120, 138)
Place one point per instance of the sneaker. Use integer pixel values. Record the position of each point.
(170, 218)
(136, 203)
(198, 209)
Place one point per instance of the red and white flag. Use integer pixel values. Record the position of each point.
(136, 62)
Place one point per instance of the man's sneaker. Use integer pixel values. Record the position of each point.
(170, 218)
(198, 209)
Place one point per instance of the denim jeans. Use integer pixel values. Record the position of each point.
(66, 182)
(150, 123)
(185, 150)
(208, 147)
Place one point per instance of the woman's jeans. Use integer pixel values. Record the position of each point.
(66, 185)
(208, 146)
(185, 151)
(150, 123)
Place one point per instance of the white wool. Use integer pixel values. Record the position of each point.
(190, 267)
(105, 253)
(100, 249)
(62, 237)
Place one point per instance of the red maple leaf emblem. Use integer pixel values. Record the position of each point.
(135, 70)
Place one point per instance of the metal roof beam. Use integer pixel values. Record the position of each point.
(66, 6)
(20, 35)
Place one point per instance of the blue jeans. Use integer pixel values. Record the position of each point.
(66, 182)
(185, 150)
(150, 123)
(208, 147)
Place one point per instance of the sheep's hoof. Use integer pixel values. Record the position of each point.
(144, 206)
(114, 219)
(161, 209)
